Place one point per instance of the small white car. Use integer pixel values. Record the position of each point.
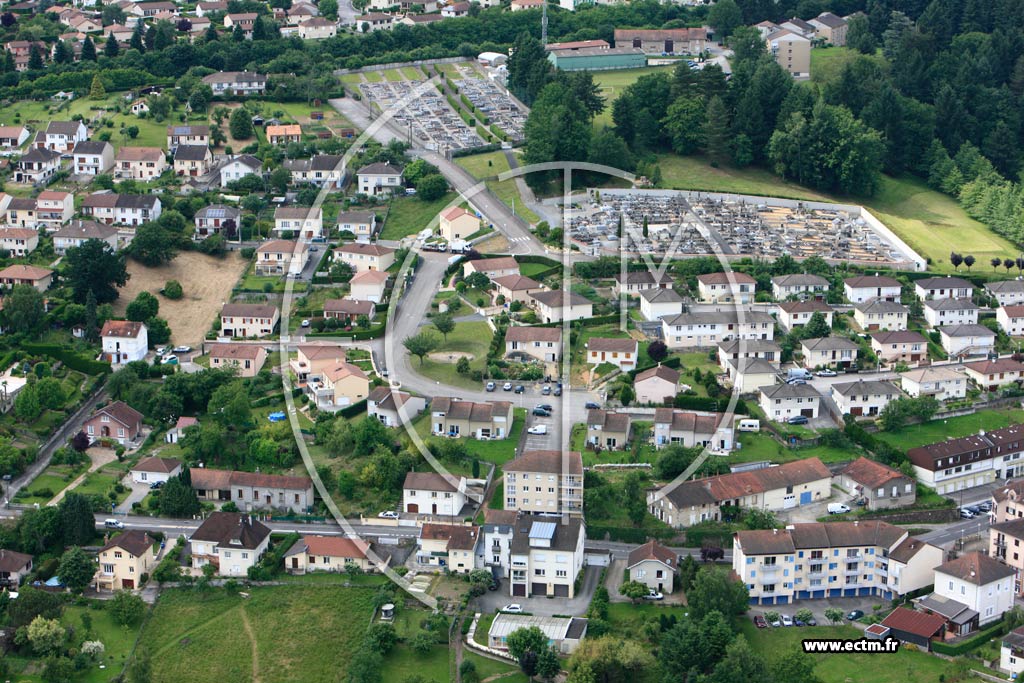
(787, 620)
(507, 386)
(163, 350)
(826, 373)
(182, 349)
(111, 523)
(305, 323)
(538, 429)
(654, 595)
(388, 514)
(514, 608)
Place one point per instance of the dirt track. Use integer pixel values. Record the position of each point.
(207, 282)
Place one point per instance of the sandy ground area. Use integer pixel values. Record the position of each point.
(207, 282)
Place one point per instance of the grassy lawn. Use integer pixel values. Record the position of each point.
(491, 164)
(901, 667)
(393, 75)
(471, 338)
(373, 76)
(533, 269)
(409, 215)
(757, 447)
(498, 451)
(264, 637)
(954, 427)
(411, 73)
(258, 283)
(828, 62)
(100, 482)
(612, 83)
(627, 619)
(52, 480)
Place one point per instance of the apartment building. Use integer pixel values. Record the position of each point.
(698, 330)
(546, 556)
(731, 287)
(230, 541)
(545, 482)
(955, 464)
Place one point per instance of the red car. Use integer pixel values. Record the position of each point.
(760, 622)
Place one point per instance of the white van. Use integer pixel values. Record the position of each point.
(113, 523)
(749, 425)
(837, 508)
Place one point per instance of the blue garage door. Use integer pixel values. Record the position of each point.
(805, 498)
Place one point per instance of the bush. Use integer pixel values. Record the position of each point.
(173, 290)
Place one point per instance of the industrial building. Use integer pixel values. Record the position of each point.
(598, 59)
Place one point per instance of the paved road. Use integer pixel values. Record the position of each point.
(957, 531)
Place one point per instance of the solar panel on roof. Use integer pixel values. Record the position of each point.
(542, 530)
(215, 213)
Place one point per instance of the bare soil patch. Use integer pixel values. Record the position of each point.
(207, 282)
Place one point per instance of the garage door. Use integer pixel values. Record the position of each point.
(807, 412)
(128, 584)
(519, 589)
(856, 411)
(539, 589)
(788, 502)
(561, 590)
(805, 498)
(414, 507)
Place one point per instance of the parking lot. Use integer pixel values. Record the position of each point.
(492, 601)
(865, 604)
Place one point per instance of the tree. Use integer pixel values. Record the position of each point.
(969, 261)
(741, 663)
(713, 591)
(80, 442)
(46, 636)
(26, 404)
(380, 637)
(328, 9)
(609, 149)
(96, 90)
(152, 245)
(431, 187)
(58, 670)
(657, 350)
(111, 48)
(143, 307)
(76, 569)
(717, 134)
(444, 323)
(241, 124)
(626, 395)
(422, 643)
(817, 327)
(955, 260)
(548, 666)
(141, 669)
(61, 53)
(420, 344)
(725, 17)
(795, 666)
(127, 608)
(95, 267)
(199, 100)
(834, 615)
(78, 525)
(158, 331)
(178, 499)
(173, 290)
(526, 641)
(24, 310)
(634, 590)
(462, 366)
(996, 262)
(859, 36)
(684, 124)
(694, 645)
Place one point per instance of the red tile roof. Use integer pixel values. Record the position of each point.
(921, 624)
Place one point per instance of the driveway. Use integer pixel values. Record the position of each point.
(865, 604)
(139, 491)
(492, 601)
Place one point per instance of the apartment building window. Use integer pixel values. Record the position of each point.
(108, 569)
(538, 572)
(769, 588)
(117, 554)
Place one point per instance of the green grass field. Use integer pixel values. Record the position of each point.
(612, 83)
(411, 73)
(757, 447)
(409, 215)
(393, 75)
(471, 338)
(491, 164)
(828, 62)
(954, 427)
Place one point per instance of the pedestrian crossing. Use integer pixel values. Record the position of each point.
(514, 240)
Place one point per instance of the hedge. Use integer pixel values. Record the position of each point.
(966, 646)
(708, 404)
(622, 534)
(673, 362)
(537, 258)
(479, 149)
(587, 322)
(498, 132)
(352, 410)
(465, 101)
(718, 534)
(68, 357)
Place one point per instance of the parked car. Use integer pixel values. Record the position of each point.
(546, 406)
(776, 623)
(546, 391)
(388, 514)
(162, 350)
(592, 406)
(514, 608)
(156, 485)
(537, 429)
(826, 373)
(786, 620)
(986, 506)
(797, 622)
(966, 514)
(507, 386)
(838, 508)
(654, 595)
(812, 622)
(855, 615)
(490, 386)
(169, 360)
(797, 420)
(796, 381)
(540, 412)
(520, 388)
(494, 585)
(305, 323)
(558, 391)
(760, 622)
(113, 524)
(182, 349)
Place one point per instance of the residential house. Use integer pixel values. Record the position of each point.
(878, 485)
(115, 421)
(374, 21)
(246, 359)
(212, 219)
(653, 565)
(302, 221)
(248, 320)
(676, 41)
(432, 493)
(21, 50)
(139, 163)
(239, 166)
(830, 29)
(791, 51)
(939, 312)
(252, 491)
(192, 160)
(608, 430)
(231, 541)
(236, 83)
(417, 19)
(14, 567)
(92, 157)
(175, 433)
(20, 212)
(37, 166)
(456, 9)
(941, 383)
(19, 242)
(379, 178)
(284, 133)
(879, 314)
(317, 28)
(961, 341)
(62, 136)
(1007, 292)
(951, 465)
(554, 307)
(363, 256)
(827, 352)
(991, 375)
(19, 274)
(832, 560)
(657, 385)
(864, 398)
(750, 374)
(862, 288)
(205, 8)
(1006, 499)
(12, 137)
(622, 353)
(1011, 653)
(491, 267)
(457, 418)
(520, 5)
(313, 359)
(523, 342)
(564, 634)
(794, 314)
(783, 401)
(901, 346)
(124, 341)
(121, 209)
(698, 330)
(931, 288)
(689, 430)
(388, 405)
(323, 170)
(546, 556)
(748, 348)
(451, 547)
(362, 224)
(910, 626)
(278, 257)
(54, 209)
(244, 20)
(981, 584)
(633, 282)
(124, 560)
(369, 285)
(781, 487)
(1010, 318)
(516, 288)
(315, 553)
(657, 303)
(456, 223)
(158, 9)
(340, 385)
(800, 27)
(187, 135)
(1006, 544)
(731, 287)
(347, 310)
